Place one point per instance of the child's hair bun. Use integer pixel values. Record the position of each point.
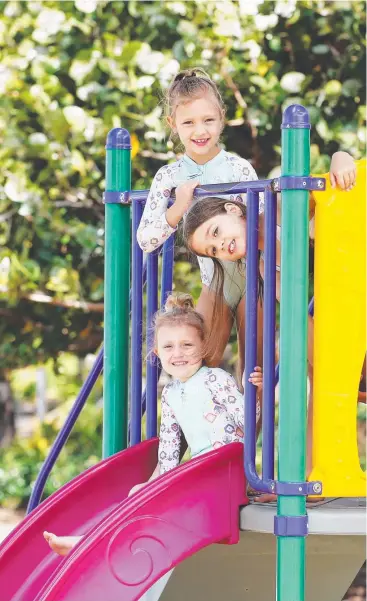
(195, 72)
(180, 301)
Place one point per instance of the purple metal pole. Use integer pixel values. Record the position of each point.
(166, 287)
(167, 269)
(62, 436)
(136, 328)
(269, 336)
(207, 190)
(152, 363)
(251, 334)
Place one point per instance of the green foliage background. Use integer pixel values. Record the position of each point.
(70, 71)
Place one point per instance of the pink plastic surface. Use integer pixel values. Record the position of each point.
(174, 516)
(26, 561)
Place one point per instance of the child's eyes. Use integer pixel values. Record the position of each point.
(215, 232)
(187, 123)
(211, 119)
(168, 346)
(187, 344)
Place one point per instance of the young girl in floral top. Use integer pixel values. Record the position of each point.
(195, 113)
(204, 403)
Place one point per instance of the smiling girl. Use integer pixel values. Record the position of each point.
(195, 114)
(204, 403)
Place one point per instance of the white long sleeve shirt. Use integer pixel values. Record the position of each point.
(154, 230)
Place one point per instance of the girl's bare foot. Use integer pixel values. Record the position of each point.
(61, 544)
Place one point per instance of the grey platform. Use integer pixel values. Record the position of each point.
(336, 549)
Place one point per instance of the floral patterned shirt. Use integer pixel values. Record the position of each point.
(208, 408)
(154, 230)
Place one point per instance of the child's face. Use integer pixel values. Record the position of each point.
(222, 236)
(180, 349)
(199, 124)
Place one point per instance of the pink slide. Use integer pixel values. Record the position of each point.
(130, 544)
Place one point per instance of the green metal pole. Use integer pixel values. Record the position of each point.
(116, 293)
(293, 349)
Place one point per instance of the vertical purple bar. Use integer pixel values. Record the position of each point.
(251, 332)
(136, 327)
(152, 364)
(269, 335)
(167, 268)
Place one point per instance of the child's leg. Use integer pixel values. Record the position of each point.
(61, 544)
(205, 306)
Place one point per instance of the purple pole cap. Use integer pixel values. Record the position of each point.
(118, 137)
(296, 116)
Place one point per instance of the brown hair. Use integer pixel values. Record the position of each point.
(199, 213)
(178, 311)
(189, 84)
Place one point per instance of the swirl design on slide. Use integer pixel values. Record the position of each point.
(136, 550)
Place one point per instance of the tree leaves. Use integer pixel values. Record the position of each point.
(70, 71)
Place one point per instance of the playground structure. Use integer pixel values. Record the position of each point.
(132, 542)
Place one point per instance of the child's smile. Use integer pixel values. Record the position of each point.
(222, 237)
(199, 123)
(180, 350)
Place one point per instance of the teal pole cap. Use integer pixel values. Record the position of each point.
(118, 137)
(296, 116)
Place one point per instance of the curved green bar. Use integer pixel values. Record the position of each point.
(116, 295)
(293, 349)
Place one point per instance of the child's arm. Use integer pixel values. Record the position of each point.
(158, 223)
(169, 437)
(169, 443)
(343, 174)
(154, 229)
(184, 198)
(343, 171)
(154, 475)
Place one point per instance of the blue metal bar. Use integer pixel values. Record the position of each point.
(208, 190)
(167, 269)
(277, 184)
(269, 336)
(252, 234)
(152, 364)
(63, 435)
(136, 328)
(166, 288)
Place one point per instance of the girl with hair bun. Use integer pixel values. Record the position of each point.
(202, 402)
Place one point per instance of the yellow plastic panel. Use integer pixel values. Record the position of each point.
(340, 335)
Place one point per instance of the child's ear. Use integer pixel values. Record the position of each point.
(171, 123)
(233, 209)
(155, 351)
